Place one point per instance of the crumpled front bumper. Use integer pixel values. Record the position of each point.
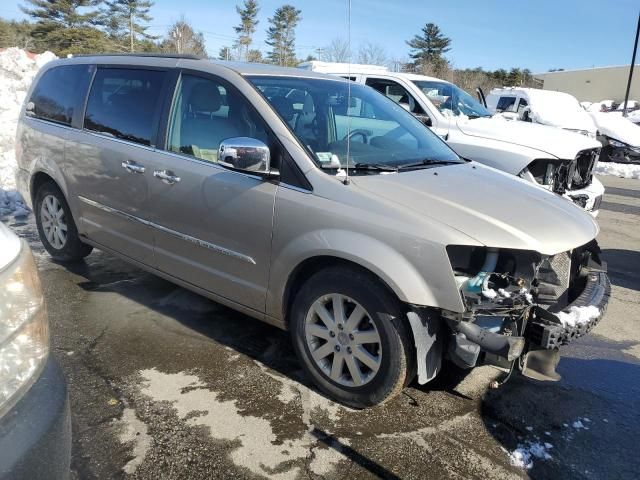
(545, 330)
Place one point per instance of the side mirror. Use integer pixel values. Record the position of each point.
(425, 119)
(246, 154)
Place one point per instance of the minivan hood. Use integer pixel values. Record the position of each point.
(490, 206)
(553, 141)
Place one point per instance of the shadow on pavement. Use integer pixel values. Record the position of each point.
(624, 267)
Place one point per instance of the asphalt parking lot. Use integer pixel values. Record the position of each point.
(166, 384)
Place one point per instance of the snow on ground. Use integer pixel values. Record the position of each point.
(16, 73)
(623, 170)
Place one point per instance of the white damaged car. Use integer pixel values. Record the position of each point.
(619, 136)
(557, 160)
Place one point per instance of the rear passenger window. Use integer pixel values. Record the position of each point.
(123, 103)
(206, 111)
(59, 93)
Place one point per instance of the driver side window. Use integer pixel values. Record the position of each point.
(397, 93)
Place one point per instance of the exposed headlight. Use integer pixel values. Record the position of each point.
(616, 143)
(24, 334)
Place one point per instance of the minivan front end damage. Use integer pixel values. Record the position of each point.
(520, 308)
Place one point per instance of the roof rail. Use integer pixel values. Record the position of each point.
(156, 55)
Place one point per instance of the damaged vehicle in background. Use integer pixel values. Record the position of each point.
(557, 160)
(314, 204)
(619, 136)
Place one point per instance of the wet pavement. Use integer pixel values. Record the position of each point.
(167, 384)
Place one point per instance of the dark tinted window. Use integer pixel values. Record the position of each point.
(59, 93)
(505, 104)
(123, 103)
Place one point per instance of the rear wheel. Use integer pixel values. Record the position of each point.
(350, 335)
(56, 227)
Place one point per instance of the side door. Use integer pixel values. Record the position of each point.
(212, 225)
(107, 160)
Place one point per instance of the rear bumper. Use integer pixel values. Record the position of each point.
(546, 330)
(35, 435)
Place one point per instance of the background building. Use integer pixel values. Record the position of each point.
(593, 84)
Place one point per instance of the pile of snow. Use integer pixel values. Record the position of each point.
(624, 170)
(578, 315)
(16, 73)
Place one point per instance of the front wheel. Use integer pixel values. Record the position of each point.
(351, 337)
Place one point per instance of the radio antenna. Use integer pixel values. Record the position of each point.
(346, 178)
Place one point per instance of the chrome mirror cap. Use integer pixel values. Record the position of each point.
(245, 154)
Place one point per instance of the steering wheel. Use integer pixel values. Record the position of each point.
(359, 132)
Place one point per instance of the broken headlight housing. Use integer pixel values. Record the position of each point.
(494, 280)
(24, 335)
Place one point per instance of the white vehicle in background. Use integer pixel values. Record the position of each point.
(555, 109)
(620, 138)
(557, 160)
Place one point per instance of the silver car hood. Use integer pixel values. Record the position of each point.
(554, 141)
(492, 207)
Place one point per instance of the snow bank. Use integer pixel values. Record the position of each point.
(623, 170)
(578, 315)
(16, 73)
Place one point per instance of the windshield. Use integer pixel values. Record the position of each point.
(451, 100)
(383, 135)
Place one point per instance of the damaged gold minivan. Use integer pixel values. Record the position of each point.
(312, 203)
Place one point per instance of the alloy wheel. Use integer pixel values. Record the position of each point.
(343, 340)
(53, 222)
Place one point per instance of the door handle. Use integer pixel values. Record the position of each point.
(166, 176)
(132, 167)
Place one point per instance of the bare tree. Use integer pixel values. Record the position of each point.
(336, 51)
(182, 38)
(372, 54)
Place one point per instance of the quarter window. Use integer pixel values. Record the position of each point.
(123, 103)
(59, 93)
(205, 112)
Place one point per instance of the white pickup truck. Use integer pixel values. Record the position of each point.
(557, 160)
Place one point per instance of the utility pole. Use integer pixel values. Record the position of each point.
(633, 62)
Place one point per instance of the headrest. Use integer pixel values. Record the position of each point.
(205, 97)
(284, 107)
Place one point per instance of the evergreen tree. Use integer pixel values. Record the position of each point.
(66, 26)
(430, 46)
(281, 35)
(123, 17)
(254, 55)
(182, 38)
(247, 27)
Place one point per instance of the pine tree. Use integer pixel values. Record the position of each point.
(123, 17)
(247, 27)
(67, 26)
(281, 35)
(430, 46)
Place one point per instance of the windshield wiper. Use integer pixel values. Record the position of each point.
(424, 163)
(380, 167)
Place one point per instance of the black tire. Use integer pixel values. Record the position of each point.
(386, 313)
(73, 248)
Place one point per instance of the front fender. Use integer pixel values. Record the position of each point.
(382, 260)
